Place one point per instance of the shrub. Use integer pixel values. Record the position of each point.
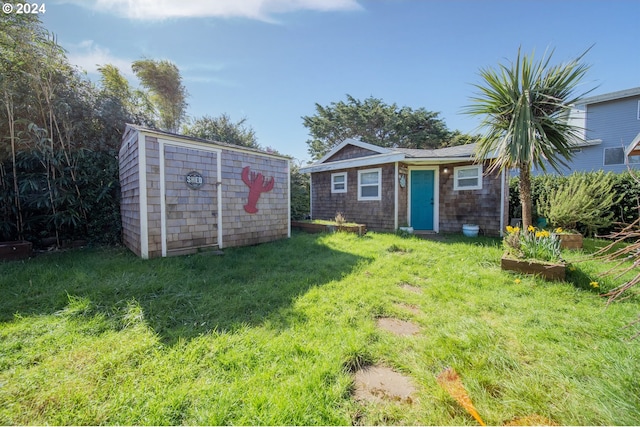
(584, 198)
(625, 189)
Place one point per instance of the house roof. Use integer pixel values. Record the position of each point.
(610, 96)
(382, 155)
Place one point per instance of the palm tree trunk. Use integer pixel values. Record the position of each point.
(525, 194)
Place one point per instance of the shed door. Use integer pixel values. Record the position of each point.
(191, 210)
(422, 199)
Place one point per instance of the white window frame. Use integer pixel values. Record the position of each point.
(379, 184)
(604, 156)
(335, 190)
(456, 179)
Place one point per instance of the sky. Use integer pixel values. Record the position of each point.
(272, 61)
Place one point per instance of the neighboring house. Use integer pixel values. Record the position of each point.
(611, 124)
(429, 190)
(181, 194)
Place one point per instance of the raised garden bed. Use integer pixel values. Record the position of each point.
(570, 241)
(546, 270)
(317, 227)
(20, 249)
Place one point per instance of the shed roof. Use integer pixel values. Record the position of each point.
(200, 140)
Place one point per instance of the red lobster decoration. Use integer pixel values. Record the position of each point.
(257, 185)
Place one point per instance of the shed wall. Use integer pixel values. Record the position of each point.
(271, 221)
(187, 219)
(130, 193)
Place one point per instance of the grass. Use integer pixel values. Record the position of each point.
(271, 334)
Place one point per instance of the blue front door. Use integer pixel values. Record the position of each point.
(422, 199)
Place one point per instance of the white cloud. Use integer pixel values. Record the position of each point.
(157, 10)
(88, 56)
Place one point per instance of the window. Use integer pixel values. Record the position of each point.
(467, 177)
(370, 184)
(613, 156)
(634, 159)
(638, 110)
(339, 182)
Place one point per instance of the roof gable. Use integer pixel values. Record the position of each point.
(374, 149)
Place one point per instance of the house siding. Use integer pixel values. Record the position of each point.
(376, 214)
(481, 207)
(615, 123)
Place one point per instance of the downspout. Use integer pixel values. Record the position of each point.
(288, 198)
(219, 194)
(502, 201)
(396, 195)
(311, 195)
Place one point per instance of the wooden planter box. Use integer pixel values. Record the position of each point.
(311, 227)
(20, 249)
(546, 270)
(570, 241)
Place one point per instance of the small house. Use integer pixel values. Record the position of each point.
(181, 195)
(436, 190)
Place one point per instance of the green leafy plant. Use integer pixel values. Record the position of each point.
(532, 244)
(583, 199)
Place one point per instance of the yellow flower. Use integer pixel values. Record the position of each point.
(517, 281)
(531, 228)
(594, 284)
(572, 268)
(559, 230)
(542, 233)
(509, 229)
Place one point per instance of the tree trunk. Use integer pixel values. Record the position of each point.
(525, 195)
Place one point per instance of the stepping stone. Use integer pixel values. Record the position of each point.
(378, 384)
(411, 288)
(409, 307)
(397, 326)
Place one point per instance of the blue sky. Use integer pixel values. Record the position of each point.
(271, 61)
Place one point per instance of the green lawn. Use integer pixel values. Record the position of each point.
(271, 334)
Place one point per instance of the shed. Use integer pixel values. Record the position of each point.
(181, 195)
(432, 191)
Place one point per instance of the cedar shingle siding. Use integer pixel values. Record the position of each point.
(481, 207)
(187, 219)
(486, 207)
(376, 214)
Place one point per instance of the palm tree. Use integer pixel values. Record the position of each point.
(525, 108)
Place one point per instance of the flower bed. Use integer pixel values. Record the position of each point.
(317, 227)
(15, 250)
(546, 270)
(570, 240)
(533, 252)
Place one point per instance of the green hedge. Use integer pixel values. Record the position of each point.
(625, 211)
